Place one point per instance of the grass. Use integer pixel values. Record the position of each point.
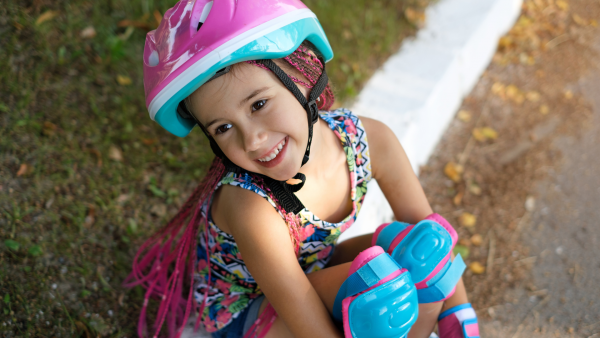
(85, 175)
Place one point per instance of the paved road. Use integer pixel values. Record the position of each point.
(564, 236)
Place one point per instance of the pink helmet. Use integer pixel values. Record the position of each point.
(197, 38)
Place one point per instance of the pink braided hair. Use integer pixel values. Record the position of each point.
(163, 262)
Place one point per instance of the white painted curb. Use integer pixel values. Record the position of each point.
(419, 89)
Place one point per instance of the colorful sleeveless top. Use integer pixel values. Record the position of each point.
(232, 288)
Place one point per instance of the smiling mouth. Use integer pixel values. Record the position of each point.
(273, 153)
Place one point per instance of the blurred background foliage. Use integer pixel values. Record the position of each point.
(85, 175)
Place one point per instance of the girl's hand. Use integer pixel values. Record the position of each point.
(266, 247)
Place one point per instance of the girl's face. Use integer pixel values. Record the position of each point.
(257, 122)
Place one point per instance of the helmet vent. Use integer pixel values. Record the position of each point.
(204, 15)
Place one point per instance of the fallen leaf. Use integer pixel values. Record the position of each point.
(544, 109)
(464, 115)
(568, 95)
(346, 34)
(157, 17)
(47, 15)
(476, 268)
(498, 89)
(115, 154)
(98, 156)
(478, 135)
(530, 203)
(462, 250)
(123, 198)
(124, 80)
(149, 141)
(136, 24)
(159, 210)
(453, 171)
(511, 91)
(458, 198)
(594, 23)
(533, 96)
(562, 5)
(579, 20)
(88, 32)
(474, 188)
(476, 239)
(505, 42)
(489, 133)
(467, 220)
(464, 241)
(35, 250)
(22, 170)
(416, 17)
(126, 34)
(48, 128)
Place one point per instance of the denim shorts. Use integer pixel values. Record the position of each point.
(239, 326)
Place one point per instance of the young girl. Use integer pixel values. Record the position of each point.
(256, 243)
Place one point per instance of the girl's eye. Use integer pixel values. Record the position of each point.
(258, 104)
(222, 129)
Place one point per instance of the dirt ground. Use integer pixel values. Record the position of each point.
(521, 157)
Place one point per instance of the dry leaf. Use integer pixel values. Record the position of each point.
(115, 154)
(123, 80)
(453, 171)
(47, 15)
(467, 220)
(544, 109)
(533, 96)
(562, 5)
(476, 268)
(22, 170)
(594, 23)
(416, 17)
(157, 17)
(457, 200)
(476, 239)
(579, 20)
(474, 188)
(464, 115)
(88, 32)
(478, 135)
(159, 210)
(126, 34)
(48, 128)
(489, 133)
(505, 42)
(123, 198)
(568, 95)
(498, 89)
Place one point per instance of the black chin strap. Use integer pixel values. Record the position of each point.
(283, 191)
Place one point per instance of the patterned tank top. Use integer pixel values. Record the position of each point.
(232, 288)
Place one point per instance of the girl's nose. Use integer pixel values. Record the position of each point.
(253, 139)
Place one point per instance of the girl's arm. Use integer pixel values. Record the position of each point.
(266, 247)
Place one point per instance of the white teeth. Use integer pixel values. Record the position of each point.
(273, 154)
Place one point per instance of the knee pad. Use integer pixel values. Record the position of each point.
(458, 322)
(378, 299)
(424, 249)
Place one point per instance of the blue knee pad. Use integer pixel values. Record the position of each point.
(424, 249)
(369, 307)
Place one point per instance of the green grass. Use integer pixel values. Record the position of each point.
(71, 217)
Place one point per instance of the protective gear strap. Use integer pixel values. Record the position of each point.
(365, 277)
(440, 289)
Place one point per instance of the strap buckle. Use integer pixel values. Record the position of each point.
(313, 110)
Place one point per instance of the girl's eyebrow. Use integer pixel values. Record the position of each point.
(253, 94)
